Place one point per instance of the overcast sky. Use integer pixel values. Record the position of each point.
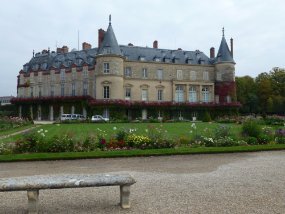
(257, 27)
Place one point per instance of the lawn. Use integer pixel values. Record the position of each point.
(171, 130)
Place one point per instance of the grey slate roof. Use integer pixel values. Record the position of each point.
(47, 61)
(224, 54)
(109, 44)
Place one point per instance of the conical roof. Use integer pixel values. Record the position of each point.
(224, 53)
(110, 44)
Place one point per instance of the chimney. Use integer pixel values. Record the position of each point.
(64, 49)
(58, 50)
(101, 34)
(212, 52)
(130, 44)
(155, 44)
(86, 46)
(232, 47)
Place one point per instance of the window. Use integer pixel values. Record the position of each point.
(142, 58)
(159, 95)
(40, 91)
(106, 68)
(85, 72)
(144, 94)
(144, 73)
(62, 89)
(52, 90)
(73, 71)
(62, 74)
(106, 92)
(73, 89)
(228, 99)
(159, 74)
(205, 94)
(179, 93)
(219, 76)
(85, 88)
(128, 72)
(179, 74)
(205, 75)
(128, 93)
(32, 91)
(193, 75)
(40, 77)
(192, 94)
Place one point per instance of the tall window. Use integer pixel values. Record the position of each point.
(144, 73)
(193, 75)
(62, 89)
(144, 95)
(106, 68)
(85, 88)
(219, 76)
(179, 74)
(40, 91)
(128, 72)
(179, 93)
(73, 71)
(205, 94)
(106, 92)
(205, 75)
(52, 90)
(85, 72)
(73, 89)
(159, 94)
(32, 91)
(192, 94)
(128, 93)
(62, 74)
(159, 74)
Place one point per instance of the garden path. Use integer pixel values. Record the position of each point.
(205, 184)
(18, 132)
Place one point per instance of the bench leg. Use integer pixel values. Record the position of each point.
(124, 196)
(33, 201)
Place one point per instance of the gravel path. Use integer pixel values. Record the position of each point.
(219, 183)
(18, 132)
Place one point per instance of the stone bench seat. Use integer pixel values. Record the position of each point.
(32, 184)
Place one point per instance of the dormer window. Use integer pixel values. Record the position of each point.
(35, 67)
(166, 60)
(142, 58)
(44, 66)
(79, 61)
(156, 59)
(189, 61)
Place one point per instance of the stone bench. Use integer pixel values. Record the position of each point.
(32, 184)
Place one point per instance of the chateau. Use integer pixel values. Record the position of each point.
(127, 81)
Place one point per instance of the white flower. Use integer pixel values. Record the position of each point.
(46, 131)
(57, 124)
(190, 131)
(146, 130)
(39, 131)
(114, 128)
(43, 134)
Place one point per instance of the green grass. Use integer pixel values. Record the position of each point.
(173, 130)
(137, 153)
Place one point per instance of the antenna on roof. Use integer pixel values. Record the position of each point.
(33, 53)
(223, 32)
(110, 19)
(78, 41)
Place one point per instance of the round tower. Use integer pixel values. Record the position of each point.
(225, 87)
(109, 69)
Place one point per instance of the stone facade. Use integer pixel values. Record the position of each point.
(116, 75)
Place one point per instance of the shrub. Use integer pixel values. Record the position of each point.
(280, 136)
(88, 144)
(222, 131)
(251, 128)
(251, 140)
(121, 135)
(184, 141)
(207, 117)
(115, 144)
(264, 139)
(138, 141)
(61, 143)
